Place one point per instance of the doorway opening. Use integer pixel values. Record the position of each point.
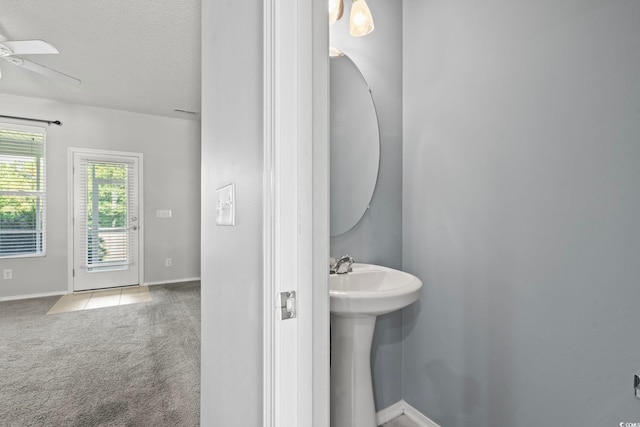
(106, 248)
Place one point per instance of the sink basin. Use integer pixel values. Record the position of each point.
(372, 289)
(356, 299)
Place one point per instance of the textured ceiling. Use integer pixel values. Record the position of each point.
(134, 55)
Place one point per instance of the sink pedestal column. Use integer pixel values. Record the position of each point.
(351, 388)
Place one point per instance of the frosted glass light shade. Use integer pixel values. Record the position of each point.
(335, 52)
(336, 7)
(361, 22)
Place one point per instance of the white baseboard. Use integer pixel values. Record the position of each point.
(418, 417)
(403, 408)
(167, 282)
(29, 296)
(390, 412)
(52, 294)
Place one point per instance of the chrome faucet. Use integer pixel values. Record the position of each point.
(342, 265)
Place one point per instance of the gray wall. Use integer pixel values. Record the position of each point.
(171, 150)
(377, 239)
(521, 206)
(232, 256)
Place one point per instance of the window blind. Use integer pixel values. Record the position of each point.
(22, 191)
(106, 192)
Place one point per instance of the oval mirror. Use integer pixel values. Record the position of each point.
(355, 145)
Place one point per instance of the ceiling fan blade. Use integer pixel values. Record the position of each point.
(45, 71)
(29, 47)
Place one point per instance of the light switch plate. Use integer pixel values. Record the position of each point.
(226, 210)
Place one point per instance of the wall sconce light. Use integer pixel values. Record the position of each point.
(336, 8)
(335, 52)
(361, 22)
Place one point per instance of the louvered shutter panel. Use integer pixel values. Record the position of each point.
(106, 213)
(22, 191)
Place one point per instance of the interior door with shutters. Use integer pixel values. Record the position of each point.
(106, 224)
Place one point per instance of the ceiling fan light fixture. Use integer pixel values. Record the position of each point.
(9, 48)
(5, 51)
(15, 61)
(361, 21)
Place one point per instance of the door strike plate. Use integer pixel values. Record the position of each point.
(287, 305)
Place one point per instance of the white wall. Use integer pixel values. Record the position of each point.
(232, 70)
(171, 149)
(521, 207)
(377, 239)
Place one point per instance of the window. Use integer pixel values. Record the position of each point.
(106, 188)
(22, 191)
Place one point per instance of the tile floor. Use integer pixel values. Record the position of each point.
(401, 421)
(100, 299)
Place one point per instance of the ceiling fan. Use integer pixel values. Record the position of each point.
(12, 51)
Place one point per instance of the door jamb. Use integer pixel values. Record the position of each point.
(296, 212)
(71, 151)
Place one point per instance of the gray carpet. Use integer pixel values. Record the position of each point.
(131, 365)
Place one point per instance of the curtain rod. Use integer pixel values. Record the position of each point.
(49, 122)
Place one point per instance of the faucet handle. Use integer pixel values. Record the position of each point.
(347, 261)
(348, 258)
(332, 265)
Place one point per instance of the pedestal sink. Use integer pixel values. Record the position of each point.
(357, 298)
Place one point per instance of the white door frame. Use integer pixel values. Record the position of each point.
(71, 151)
(296, 212)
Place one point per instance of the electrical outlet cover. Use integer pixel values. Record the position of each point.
(226, 212)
